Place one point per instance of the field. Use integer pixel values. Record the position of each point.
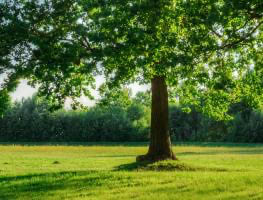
(109, 171)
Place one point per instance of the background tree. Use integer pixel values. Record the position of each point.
(30, 120)
(204, 48)
(143, 98)
(114, 97)
(5, 102)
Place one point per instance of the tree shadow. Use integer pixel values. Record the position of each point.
(46, 175)
(113, 156)
(42, 185)
(170, 166)
(38, 186)
(134, 166)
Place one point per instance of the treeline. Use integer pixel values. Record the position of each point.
(117, 117)
(245, 127)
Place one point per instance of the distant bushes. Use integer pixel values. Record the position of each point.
(5, 101)
(97, 124)
(30, 121)
(113, 121)
(247, 130)
(246, 126)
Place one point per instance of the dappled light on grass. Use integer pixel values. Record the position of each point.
(110, 172)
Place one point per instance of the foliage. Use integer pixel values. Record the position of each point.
(5, 102)
(31, 120)
(204, 48)
(245, 126)
(247, 130)
(114, 97)
(143, 98)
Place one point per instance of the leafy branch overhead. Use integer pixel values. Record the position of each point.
(206, 49)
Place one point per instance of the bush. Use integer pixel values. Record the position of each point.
(30, 121)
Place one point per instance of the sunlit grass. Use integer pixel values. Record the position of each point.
(80, 171)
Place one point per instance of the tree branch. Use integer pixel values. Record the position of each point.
(242, 39)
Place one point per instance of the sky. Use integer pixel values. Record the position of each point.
(24, 91)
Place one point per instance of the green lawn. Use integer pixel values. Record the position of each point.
(212, 171)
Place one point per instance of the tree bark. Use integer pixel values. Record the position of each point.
(160, 143)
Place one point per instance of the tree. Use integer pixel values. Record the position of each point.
(197, 46)
(5, 102)
(143, 98)
(114, 97)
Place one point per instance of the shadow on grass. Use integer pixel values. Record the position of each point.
(47, 175)
(67, 184)
(39, 186)
(113, 156)
(71, 184)
(168, 166)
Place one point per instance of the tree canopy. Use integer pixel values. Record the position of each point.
(206, 47)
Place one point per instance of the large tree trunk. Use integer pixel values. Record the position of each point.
(160, 144)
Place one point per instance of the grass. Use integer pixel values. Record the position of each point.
(108, 171)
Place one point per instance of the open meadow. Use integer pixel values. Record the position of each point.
(109, 171)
